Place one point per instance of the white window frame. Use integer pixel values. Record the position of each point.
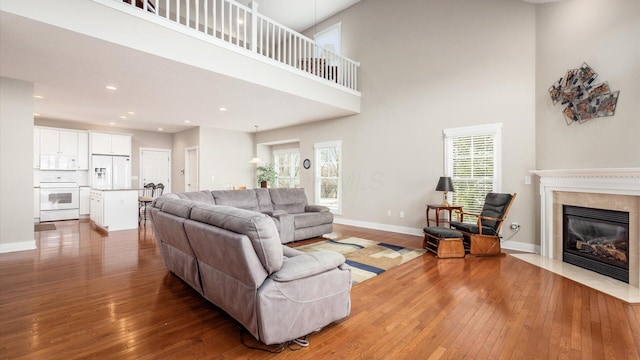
(335, 27)
(494, 129)
(337, 209)
(292, 180)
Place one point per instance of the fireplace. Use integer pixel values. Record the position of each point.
(610, 189)
(597, 240)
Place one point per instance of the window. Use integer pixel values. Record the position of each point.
(472, 159)
(328, 191)
(330, 39)
(287, 164)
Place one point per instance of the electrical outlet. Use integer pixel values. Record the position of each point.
(401, 214)
(515, 226)
(388, 212)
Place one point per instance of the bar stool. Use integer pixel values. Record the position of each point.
(145, 198)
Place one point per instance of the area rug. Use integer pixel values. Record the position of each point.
(367, 258)
(44, 227)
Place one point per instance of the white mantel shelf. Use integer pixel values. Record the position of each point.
(590, 173)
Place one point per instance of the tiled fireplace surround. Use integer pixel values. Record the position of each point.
(612, 189)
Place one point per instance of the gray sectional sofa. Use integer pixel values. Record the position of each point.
(235, 258)
(295, 219)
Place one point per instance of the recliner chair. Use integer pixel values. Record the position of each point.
(483, 238)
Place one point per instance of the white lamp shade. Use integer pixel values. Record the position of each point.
(255, 160)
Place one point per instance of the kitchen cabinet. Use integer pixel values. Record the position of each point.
(54, 141)
(110, 144)
(85, 200)
(114, 209)
(83, 151)
(36, 148)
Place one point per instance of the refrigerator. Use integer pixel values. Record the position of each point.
(110, 172)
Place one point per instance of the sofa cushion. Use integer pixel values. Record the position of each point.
(181, 208)
(304, 220)
(259, 228)
(243, 199)
(292, 201)
(264, 199)
(200, 196)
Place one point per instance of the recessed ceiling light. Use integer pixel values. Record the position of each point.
(160, 129)
(131, 113)
(123, 117)
(187, 121)
(38, 96)
(223, 109)
(112, 123)
(111, 87)
(36, 114)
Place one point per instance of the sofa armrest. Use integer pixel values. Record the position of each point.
(306, 265)
(274, 213)
(315, 208)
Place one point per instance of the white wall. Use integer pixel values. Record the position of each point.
(606, 35)
(16, 165)
(427, 66)
(181, 141)
(224, 159)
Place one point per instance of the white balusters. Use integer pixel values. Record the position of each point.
(244, 27)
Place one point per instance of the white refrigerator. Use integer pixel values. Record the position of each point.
(110, 172)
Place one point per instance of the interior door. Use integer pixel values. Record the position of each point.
(191, 169)
(155, 167)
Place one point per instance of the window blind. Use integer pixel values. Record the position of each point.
(472, 159)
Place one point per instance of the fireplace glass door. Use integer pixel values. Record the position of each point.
(597, 239)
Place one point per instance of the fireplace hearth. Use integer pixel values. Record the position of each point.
(597, 239)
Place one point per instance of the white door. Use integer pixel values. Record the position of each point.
(191, 169)
(155, 167)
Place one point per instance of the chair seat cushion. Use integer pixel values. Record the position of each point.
(472, 228)
(442, 232)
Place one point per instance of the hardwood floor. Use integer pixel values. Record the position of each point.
(83, 294)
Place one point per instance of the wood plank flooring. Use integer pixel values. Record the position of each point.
(85, 295)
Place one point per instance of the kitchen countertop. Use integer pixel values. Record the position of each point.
(116, 189)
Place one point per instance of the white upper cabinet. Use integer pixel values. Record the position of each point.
(58, 142)
(110, 144)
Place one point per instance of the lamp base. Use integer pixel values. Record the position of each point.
(444, 200)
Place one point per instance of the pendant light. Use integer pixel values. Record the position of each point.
(256, 160)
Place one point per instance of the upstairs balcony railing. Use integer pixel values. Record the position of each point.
(244, 27)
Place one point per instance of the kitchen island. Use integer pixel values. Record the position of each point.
(114, 209)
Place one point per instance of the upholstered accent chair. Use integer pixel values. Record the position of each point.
(483, 237)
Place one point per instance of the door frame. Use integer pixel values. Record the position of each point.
(186, 166)
(167, 188)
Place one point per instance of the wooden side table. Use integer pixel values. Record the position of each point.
(438, 209)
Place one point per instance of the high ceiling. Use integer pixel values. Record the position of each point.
(69, 71)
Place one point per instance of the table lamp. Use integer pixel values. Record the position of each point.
(445, 184)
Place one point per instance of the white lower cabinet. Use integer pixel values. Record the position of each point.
(85, 200)
(114, 210)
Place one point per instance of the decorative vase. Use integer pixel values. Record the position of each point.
(263, 184)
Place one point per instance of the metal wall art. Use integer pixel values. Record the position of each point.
(584, 98)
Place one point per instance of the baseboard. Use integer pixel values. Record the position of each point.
(378, 226)
(518, 246)
(17, 246)
(510, 245)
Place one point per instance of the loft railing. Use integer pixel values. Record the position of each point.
(244, 27)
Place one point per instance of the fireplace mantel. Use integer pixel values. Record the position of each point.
(614, 181)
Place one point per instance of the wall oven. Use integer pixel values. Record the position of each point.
(59, 201)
